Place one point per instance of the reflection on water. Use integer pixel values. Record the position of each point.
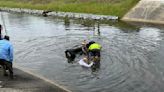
(132, 57)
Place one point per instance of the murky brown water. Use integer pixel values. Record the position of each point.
(132, 57)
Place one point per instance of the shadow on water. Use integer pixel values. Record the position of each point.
(132, 56)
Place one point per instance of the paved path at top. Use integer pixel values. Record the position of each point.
(151, 11)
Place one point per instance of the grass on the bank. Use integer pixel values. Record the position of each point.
(102, 7)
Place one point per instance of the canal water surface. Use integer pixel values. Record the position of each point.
(132, 56)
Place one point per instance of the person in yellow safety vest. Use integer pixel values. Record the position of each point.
(94, 53)
(95, 46)
(94, 49)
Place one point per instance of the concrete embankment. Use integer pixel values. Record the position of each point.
(26, 82)
(148, 11)
(60, 14)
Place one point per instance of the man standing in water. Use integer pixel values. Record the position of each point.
(92, 51)
(6, 56)
(94, 55)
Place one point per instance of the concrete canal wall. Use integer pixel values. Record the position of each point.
(151, 11)
(60, 14)
(25, 81)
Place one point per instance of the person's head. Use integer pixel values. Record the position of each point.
(91, 42)
(6, 37)
(70, 55)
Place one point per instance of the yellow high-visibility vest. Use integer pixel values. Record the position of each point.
(95, 46)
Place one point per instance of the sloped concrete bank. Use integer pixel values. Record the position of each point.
(60, 14)
(147, 11)
(26, 82)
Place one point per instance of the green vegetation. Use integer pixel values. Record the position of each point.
(102, 7)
